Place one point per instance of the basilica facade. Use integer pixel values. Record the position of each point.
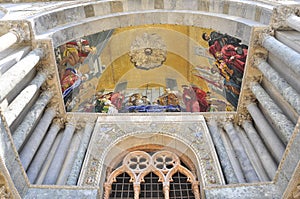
(150, 99)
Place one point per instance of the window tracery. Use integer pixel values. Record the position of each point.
(164, 165)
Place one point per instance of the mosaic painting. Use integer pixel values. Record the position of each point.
(162, 68)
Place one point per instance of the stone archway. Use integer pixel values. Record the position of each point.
(115, 135)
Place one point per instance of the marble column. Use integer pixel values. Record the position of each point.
(263, 154)
(289, 56)
(17, 72)
(23, 99)
(8, 40)
(293, 21)
(288, 92)
(223, 156)
(7, 62)
(59, 156)
(29, 121)
(252, 155)
(286, 108)
(70, 158)
(270, 138)
(283, 87)
(43, 151)
(232, 157)
(284, 126)
(33, 143)
(76, 168)
(49, 158)
(245, 163)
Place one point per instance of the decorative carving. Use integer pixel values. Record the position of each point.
(296, 193)
(21, 30)
(163, 163)
(148, 51)
(4, 194)
(192, 133)
(280, 14)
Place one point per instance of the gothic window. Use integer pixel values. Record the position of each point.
(157, 176)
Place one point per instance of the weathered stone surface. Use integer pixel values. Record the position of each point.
(282, 123)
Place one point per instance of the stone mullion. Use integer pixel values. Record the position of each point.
(283, 87)
(223, 156)
(75, 171)
(232, 157)
(43, 151)
(10, 79)
(293, 21)
(270, 138)
(253, 156)
(59, 156)
(32, 117)
(284, 126)
(70, 158)
(23, 99)
(33, 143)
(289, 56)
(263, 154)
(246, 165)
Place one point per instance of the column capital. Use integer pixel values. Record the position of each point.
(21, 30)
(59, 121)
(280, 15)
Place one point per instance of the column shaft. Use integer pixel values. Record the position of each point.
(283, 87)
(23, 99)
(76, 168)
(284, 126)
(289, 56)
(253, 157)
(232, 157)
(223, 156)
(24, 129)
(8, 40)
(245, 163)
(286, 108)
(59, 156)
(70, 158)
(293, 21)
(264, 155)
(41, 176)
(36, 137)
(12, 58)
(267, 133)
(17, 72)
(42, 153)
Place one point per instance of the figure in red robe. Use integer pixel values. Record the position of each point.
(201, 97)
(117, 100)
(190, 99)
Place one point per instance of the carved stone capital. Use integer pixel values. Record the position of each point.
(21, 30)
(59, 121)
(280, 14)
(260, 34)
